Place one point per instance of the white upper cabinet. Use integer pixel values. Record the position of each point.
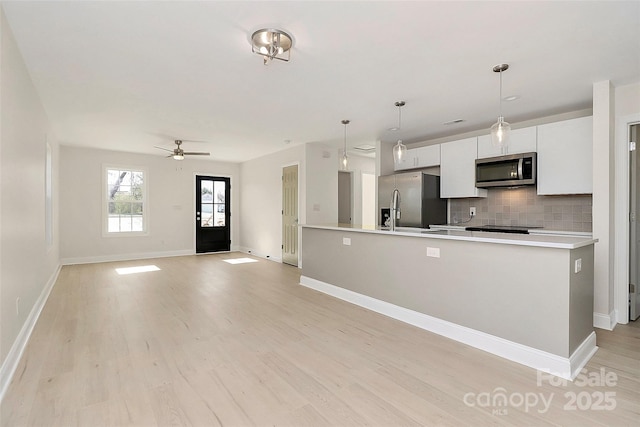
(422, 157)
(520, 141)
(458, 169)
(565, 157)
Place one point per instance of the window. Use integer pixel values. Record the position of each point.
(213, 203)
(125, 200)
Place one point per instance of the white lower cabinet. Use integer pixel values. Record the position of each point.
(458, 169)
(565, 157)
(520, 141)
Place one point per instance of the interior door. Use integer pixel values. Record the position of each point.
(213, 214)
(290, 215)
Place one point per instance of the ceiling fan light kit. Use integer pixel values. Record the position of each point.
(178, 153)
(272, 44)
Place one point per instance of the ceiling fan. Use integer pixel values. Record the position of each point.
(178, 153)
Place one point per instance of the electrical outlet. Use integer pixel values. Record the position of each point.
(578, 265)
(433, 252)
(472, 211)
(346, 241)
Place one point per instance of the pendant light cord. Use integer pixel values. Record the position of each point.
(501, 93)
(345, 138)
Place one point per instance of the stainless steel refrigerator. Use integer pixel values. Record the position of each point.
(420, 202)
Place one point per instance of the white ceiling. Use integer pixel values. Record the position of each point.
(131, 75)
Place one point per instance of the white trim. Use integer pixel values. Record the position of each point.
(12, 360)
(583, 353)
(560, 366)
(621, 227)
(125, 257)
(605, 321)
(253, 252)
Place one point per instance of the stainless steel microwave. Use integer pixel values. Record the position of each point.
(506, 171)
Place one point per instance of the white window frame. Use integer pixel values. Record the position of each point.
(105, 201)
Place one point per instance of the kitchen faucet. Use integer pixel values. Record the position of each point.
(395, 208)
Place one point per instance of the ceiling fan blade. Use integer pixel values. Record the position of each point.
(187, 153)
(170, 155)
(162, 148)
(193, 140)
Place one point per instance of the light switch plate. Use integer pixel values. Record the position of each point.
(578, 265)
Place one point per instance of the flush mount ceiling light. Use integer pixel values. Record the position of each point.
(272, 44)
(399, 150)
(501, 129)
(345, 159)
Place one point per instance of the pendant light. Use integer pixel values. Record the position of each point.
(399, 150)
(500, 130)
(345, 159)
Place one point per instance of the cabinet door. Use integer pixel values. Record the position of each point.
(458, 169)
(409, 161)
(520, 141)
(565, 157)
(427, 156)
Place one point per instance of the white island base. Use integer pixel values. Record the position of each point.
(517, 297)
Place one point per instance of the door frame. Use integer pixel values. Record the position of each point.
(193, 211)
(300, 181)
(621, 227)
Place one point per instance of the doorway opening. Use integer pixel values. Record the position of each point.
(345, 199)
(213, 214)
(368, 200)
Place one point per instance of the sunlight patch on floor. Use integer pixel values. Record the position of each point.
(139, 269)
(240, 260)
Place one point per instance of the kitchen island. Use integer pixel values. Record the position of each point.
(528, 298)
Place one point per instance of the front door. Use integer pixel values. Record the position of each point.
(213, 227)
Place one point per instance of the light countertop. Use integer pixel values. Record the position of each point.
(538, 239)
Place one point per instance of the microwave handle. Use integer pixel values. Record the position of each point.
(520, 173)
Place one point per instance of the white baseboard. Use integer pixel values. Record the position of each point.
(125, 257)
(583, 353)
(564, 367)
(605, 321)
(259, 254)
(10, 364)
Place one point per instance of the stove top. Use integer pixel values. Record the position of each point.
(517, 229)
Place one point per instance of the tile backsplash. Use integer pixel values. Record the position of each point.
(522, 206)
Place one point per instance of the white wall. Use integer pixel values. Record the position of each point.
(323, 164)
(261, 201)
(627, 111)
(28, 265)
(261, 198)
(171, 205)
(359, 165)
(603, 202)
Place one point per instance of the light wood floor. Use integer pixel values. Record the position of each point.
(206, 343)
